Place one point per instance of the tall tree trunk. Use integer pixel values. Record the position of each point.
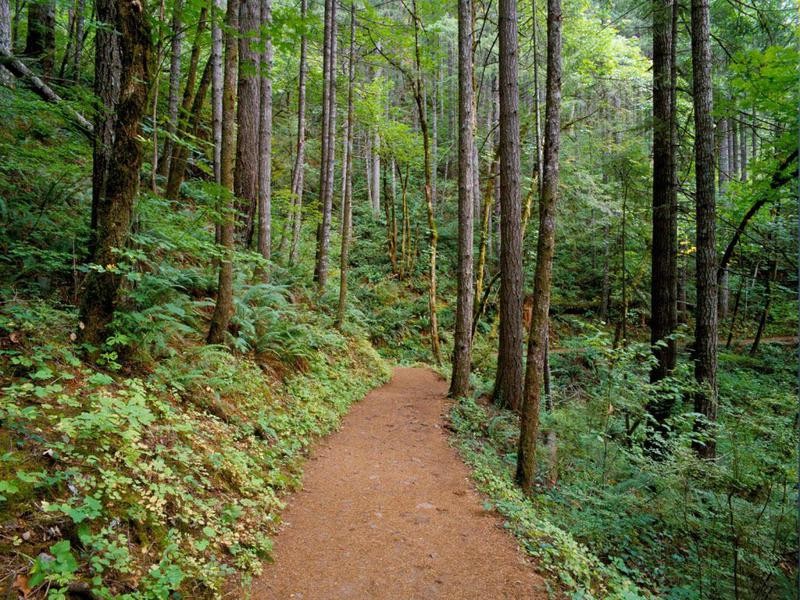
(376, 173)
(41, 41)
(724, 168)
(77, 51)
(223, 309)
(298, 169)
(192, 127)
(347, 208)
(265, 136)
(705, 347)
(245, 178)
(122, 75)
(433, 232)
(770, 276)
(5, 39)
(216, 85)
(539, 165)
(663, 277)
(327, 161)
(462, 342)
(537, 342)
(176, 46)
(187, 118)
(509, 378)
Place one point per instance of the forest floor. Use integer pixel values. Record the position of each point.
(388, 510)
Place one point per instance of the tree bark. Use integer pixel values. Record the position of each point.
(347, 207)
(223, 309)
(41, 41)
(176, 47)
(705, 347)
(245, 178)
(299, 161)
(663, 277)
(508, 388)
(216, 85)
(122, 75)
(462, 342)
(328, 157)
(190, 127)
(769, 277)
(433, 232)
(537, 342)
(187, 114)
(5, 39)
(265, 136)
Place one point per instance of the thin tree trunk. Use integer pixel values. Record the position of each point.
(122, 74)
(508, 389)
(771, 274)
(724, 168)
(433, 233)
(734, 314)
(299, 162)
(216, 85)
(705, 348)
(265, 136)
(190, 127)
(176, 46)
(180, 151)
(347, 210)
(245, 179)
(328, 145)
(5, 39)
(539, 167)
(462, 342)
(77, 53)
(223, 309)
(537, 342)
(376, 173)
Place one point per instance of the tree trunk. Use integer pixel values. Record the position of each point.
(77, 51)
(5, 39)
(771, 274)
(328, 157)
(537, 342)
(462, 342)
(735, 312)
(663, 277)
(187, 114)
(347, 207)
(724, 168)
(265, 136)
(509, 378)
(191, 124)
(41, 41)
(122, 76)
(376, 173)
(216, 85)
(433, 233)
(223, 310)
(245, 178)
(176, 46)
(299, 160)
(705, 348)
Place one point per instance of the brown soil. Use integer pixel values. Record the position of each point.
(388, 511)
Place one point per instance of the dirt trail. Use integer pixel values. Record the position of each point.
(388, 511)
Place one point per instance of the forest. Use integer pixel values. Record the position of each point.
(223, 223)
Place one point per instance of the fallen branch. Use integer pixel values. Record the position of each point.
(19, 70)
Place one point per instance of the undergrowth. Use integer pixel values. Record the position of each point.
(622, 523)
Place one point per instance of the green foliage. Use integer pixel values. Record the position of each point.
(676, 526)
